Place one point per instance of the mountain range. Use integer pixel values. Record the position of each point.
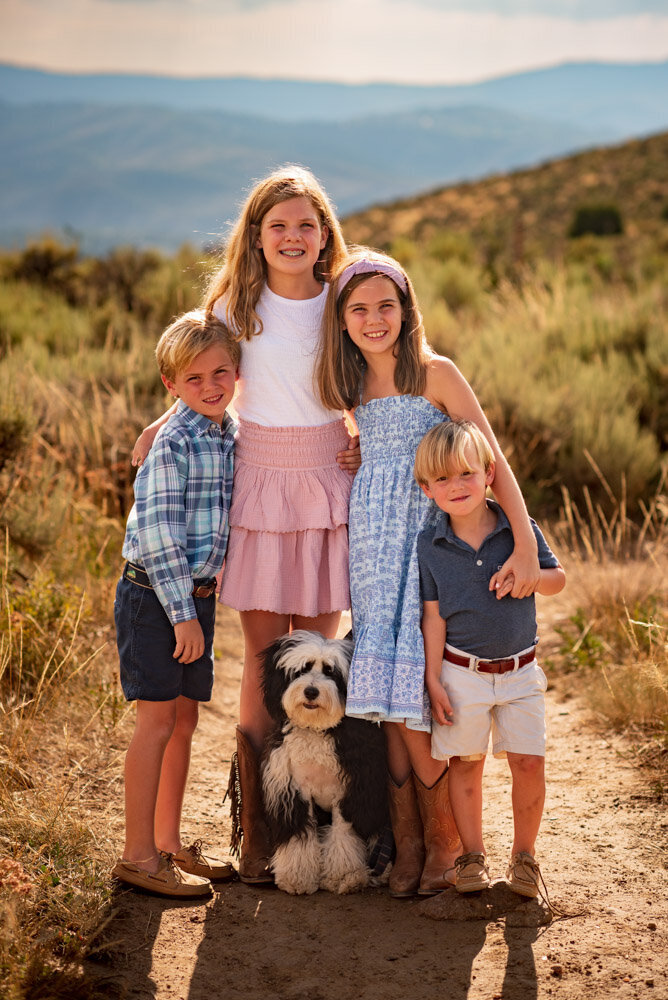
(160, 161)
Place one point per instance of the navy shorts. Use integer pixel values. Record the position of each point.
(146, 644)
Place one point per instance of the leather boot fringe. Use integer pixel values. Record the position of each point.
(233, 793)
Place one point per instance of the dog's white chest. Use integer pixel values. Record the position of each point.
(314, 766)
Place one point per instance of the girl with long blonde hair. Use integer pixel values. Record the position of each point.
(287, 559)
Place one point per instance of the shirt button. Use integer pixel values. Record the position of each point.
(479, 562)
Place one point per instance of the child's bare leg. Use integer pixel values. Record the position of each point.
(466, 802)
(418, 747)
(173, 777)
(398, 761)
(327, 624)
(143, 763)
(528, 773)
(260, 628)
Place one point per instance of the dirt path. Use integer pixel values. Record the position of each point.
(602, 852)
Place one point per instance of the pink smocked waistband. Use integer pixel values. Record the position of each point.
(290, 447)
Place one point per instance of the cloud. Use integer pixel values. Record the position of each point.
(353, 40)
(569, 9)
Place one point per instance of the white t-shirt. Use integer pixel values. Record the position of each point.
(276, 387)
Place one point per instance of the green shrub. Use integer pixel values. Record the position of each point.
(600, 220)
(569, 384)
(458, 284)
(38, 627)
(449, 245)
(15, 429)
(45, 262)
(405, 251)
(37, 317)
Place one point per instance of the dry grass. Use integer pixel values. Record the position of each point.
(59, 788)
(616, 640)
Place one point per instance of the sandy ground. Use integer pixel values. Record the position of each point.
(602, 851)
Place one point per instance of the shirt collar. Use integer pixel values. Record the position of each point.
(443, 529)
(200, 424)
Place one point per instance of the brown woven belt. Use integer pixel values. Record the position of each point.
(490, 666)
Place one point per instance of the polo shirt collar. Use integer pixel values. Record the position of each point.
(443, 530)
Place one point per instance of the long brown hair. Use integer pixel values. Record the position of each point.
(340, 365)
(243, 273)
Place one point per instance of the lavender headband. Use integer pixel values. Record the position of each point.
(371, 267)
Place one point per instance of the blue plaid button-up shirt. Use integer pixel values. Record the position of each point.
(178, 527)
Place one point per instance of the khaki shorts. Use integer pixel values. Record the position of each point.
(510, 707)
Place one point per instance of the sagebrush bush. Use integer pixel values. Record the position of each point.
(566, 378)
(33, 317)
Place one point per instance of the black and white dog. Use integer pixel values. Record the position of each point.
(319, 760)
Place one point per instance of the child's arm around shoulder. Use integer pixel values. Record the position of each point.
(552, 575)
(447, 389)
(144, 442)
(552, 581)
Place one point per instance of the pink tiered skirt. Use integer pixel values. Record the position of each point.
(288, 545)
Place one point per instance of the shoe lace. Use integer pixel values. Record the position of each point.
(171, 864)
(534, 874)
(473, 857)
(196, 849)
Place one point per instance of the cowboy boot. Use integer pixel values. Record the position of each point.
(441, 837)
(250, 834)
(408, 840)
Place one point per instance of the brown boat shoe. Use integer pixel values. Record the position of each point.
(523, 874)
(472, 872)
(169, 880)
(194, 862)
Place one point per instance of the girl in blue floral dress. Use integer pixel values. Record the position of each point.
(375, 361)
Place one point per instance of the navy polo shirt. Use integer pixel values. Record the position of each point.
(455, 575)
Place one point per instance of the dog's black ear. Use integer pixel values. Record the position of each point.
(273, 680)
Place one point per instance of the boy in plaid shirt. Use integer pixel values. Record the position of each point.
(175, 545)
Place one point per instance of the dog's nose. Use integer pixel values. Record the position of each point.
(311, 693)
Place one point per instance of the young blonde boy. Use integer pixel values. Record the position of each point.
(481, 670)
(165, 605)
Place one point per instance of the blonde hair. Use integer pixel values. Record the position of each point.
(243, 273)
(187, 337)
(340, 363)
(442, 451)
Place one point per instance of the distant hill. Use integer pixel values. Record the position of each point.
(613, 99)
(156, 161)
(528, 212)
(155, 176)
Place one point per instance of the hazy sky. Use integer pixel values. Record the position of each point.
(420, 41)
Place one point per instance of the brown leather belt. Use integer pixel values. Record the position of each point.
(137, 574)
(490, 666)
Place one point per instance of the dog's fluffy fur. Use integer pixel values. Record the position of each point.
(318, 760)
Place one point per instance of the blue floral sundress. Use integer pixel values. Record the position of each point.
(387, 511)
